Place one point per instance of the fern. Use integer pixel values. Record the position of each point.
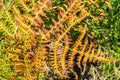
(7, 23)
(34, 49)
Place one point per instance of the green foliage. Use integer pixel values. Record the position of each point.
(108, 29)
(107, 34)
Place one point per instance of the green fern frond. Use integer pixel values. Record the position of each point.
(7, 22)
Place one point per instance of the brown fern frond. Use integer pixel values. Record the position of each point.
(38, 11)
(62, 16)
(26, 21)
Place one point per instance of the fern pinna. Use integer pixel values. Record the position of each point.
(40, 39)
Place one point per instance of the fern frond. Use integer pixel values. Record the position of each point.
(60, 38)
(59, 33)
(34, 49)
(42, 5)
(64, 55)
(63, 16)
(9, 28)
(82, 52)
(26, 21)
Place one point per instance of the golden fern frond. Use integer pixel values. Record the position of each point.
(34, 48)
(33, 17)
(64, 32)
(32, 53)
(20, 21)
(60, 30)
(64, 55)
(85, 53)
(74, 49)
